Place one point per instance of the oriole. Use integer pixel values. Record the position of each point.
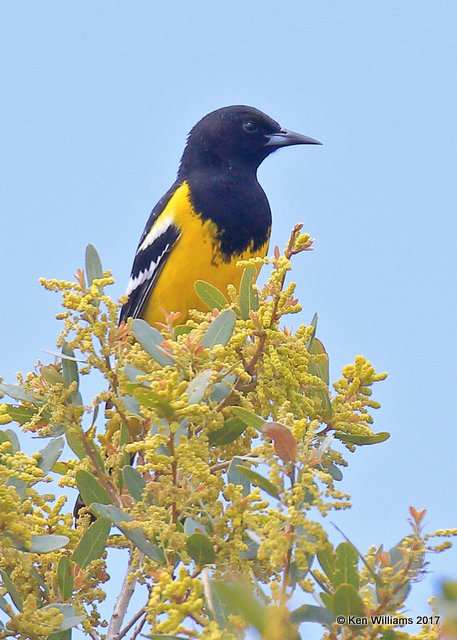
(215, 214)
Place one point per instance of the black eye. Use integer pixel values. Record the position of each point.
(250, 126)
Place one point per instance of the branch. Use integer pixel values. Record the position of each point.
(122, 603)
(130, 624)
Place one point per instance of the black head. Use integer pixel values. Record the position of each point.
(235, 137)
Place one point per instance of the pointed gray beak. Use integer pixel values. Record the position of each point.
(286, 138)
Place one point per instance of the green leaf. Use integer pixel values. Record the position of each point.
(133, 372)
(237, 598)
(197, 387)
(326, 559)
(60, 635)
(11, 589)
(362, 439)
(19, 485)
(73, 439)
(220, 330)
(235, 477)
(134, 482)
(201, 550)
(93, 543)
(220, 390)
(332, 469)
(319, 366)
(312, 613)
(389, 634)
(16, 392)
(94, 270)
(314, 327)
(70, 372)
(192, 526)
(12, 437)
(47, 543)
(346, 570)
(70, 617)
(147, 397)
(231, 430)
(4, 438)
(182, 330)
(249, 418)
(259, 481)
(50, 454)
(65, 577)
(347, 602)
(118, 517)
(4, 606)
(22, 414)
(151, 340)
(131, 405)
(212, 297)
(249, 300)
(90, 488)
(327, 599)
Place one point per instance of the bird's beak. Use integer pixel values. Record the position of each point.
(284, 138)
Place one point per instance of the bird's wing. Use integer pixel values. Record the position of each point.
(156, 244)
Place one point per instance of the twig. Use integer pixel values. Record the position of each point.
(138, 629)
(122, 603)
(130, 624)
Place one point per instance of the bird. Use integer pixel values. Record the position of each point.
(215, 214)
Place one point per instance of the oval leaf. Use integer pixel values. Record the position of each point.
(346, 570)
(236, 477)
(197, 387)
(134, 482)
(231, 430)
(220, 330)
(65, 577)
(44, 544)
(93, 543)
(347, 602)
(70, 617)
(201, 550)
(362, 439)
(117, 517)
(249, 418)
(50, 454)
(151, 340)
(319, 366)
(70, 372)
(259, 480)
(212, 297)
(285, 445)
(249, 300)
(90, 489)
(94, 269)
(312, 613)
(18, 393)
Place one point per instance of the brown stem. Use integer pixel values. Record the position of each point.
(122, 603)
(130, 624)
(138, 629)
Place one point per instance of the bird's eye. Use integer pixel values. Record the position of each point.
(250, 126)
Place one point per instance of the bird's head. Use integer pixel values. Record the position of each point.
(237, 137)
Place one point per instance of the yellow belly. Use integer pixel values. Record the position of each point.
(194, 257)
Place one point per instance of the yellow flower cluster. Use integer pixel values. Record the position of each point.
(236, 444)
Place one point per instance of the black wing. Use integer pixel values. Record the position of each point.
(156, 243)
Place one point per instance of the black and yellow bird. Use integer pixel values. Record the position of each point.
(215, 214)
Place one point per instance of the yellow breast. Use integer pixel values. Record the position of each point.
(194, 256)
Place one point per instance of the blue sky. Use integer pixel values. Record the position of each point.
(97, 99)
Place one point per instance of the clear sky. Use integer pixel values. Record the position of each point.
(97, 99)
